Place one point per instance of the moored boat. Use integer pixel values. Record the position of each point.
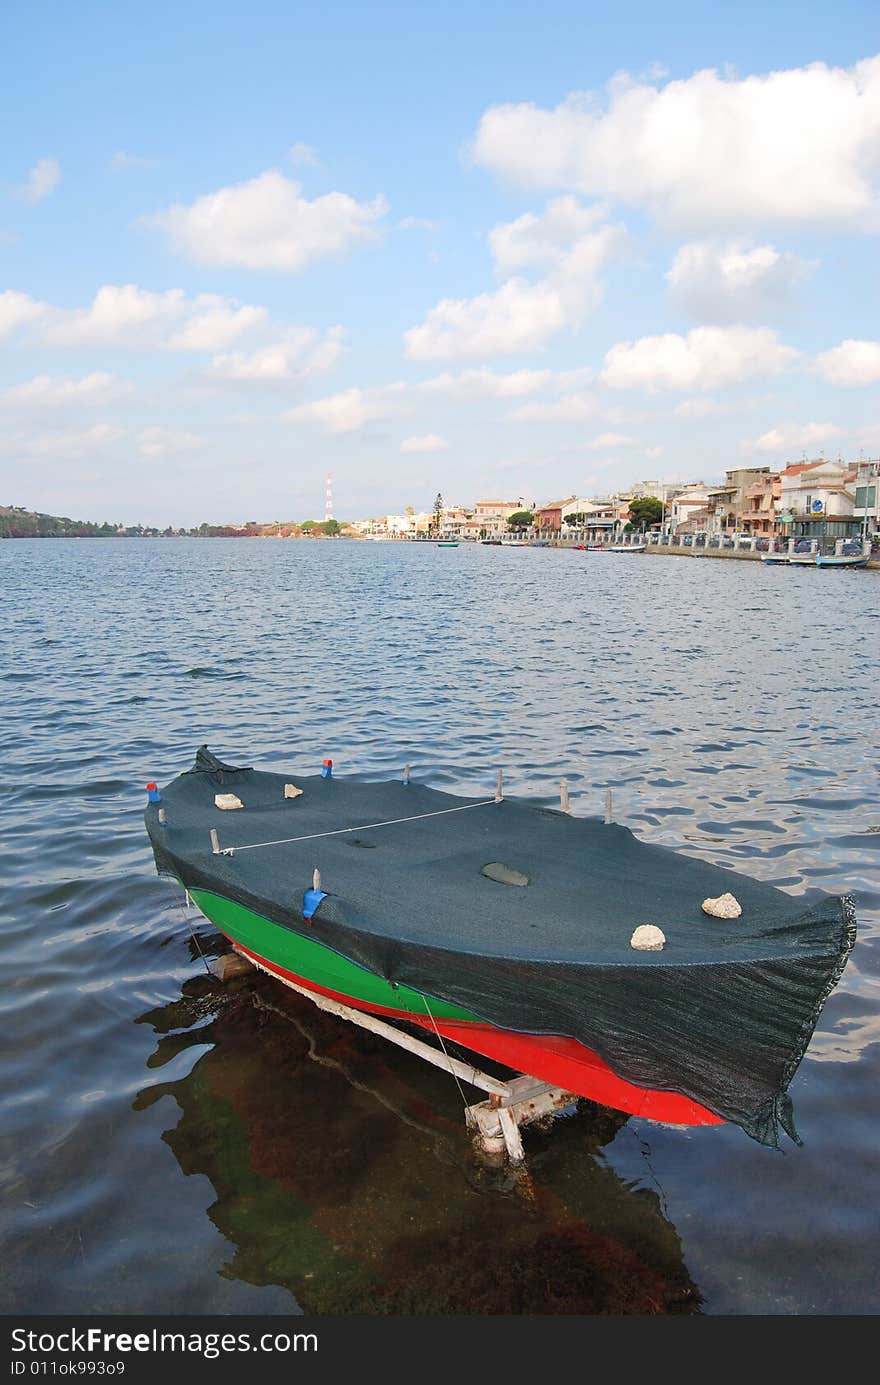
(627, 548)
(509, 930)
(852, 554)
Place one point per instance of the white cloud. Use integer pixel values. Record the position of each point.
(711, 150)
(611, 440)
(300, 353)
(707, 358)
(795, 436)
(267, 224)
(417, 223)
(43, 178)
(515, 318)
(120, 314)
(162, 442)
(522, 316)
(851, 363)
(571, 408)
(701, 408)
(125, 315)
(350, 410)
(61, 444)
(304, 155)
(16, 310)
(428, 442)
(486, 384)
(542, 240)
(214, 323)
(47, 391)
(122, 161)
(725, 283)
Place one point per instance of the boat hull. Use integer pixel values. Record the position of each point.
(553, 1058)
(841, 560)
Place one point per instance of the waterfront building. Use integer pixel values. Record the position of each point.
(817, 501)
(454, 521)
(548, 520)
(491, 516)
(760, 500)
(689, 511)
(866, 504)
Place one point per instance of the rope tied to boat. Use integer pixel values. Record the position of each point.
(364, 827)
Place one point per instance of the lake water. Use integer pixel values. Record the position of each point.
(174, 1145)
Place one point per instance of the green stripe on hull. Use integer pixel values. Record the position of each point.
(315, 962)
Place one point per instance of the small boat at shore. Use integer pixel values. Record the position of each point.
(843, 560)
(447, 543)
(512, 931)
(775, 559)
(627, 548)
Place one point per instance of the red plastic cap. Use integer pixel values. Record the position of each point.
(151, 785)
(327, 762)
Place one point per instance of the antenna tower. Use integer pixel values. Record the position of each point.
(328, 496)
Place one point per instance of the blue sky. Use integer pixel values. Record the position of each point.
(491, 250)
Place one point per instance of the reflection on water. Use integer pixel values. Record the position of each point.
(168, 1145)
(343, 1172)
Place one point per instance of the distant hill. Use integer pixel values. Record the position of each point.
(18, 523)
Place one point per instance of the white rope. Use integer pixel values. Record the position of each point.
(367, 827)
(443, 1046)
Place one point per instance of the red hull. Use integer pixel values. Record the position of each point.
(562, 1062)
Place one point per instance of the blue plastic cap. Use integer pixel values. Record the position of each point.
(311, 900)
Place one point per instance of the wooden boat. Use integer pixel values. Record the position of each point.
(447, 543)
(842, 560)
(775, 559)
(509, 929)
(627, 548)
(514, 543)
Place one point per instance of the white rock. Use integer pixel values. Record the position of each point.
(291, 791)
(724, 907)
(648, 938)
(227, 800)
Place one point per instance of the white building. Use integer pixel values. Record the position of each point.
(866, 505)
(689, 509)
(817, 500)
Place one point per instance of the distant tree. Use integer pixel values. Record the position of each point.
(438, 513)
(520, 519)
(577, 521)
(645, 511)
(331, 527)
(308, 525)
